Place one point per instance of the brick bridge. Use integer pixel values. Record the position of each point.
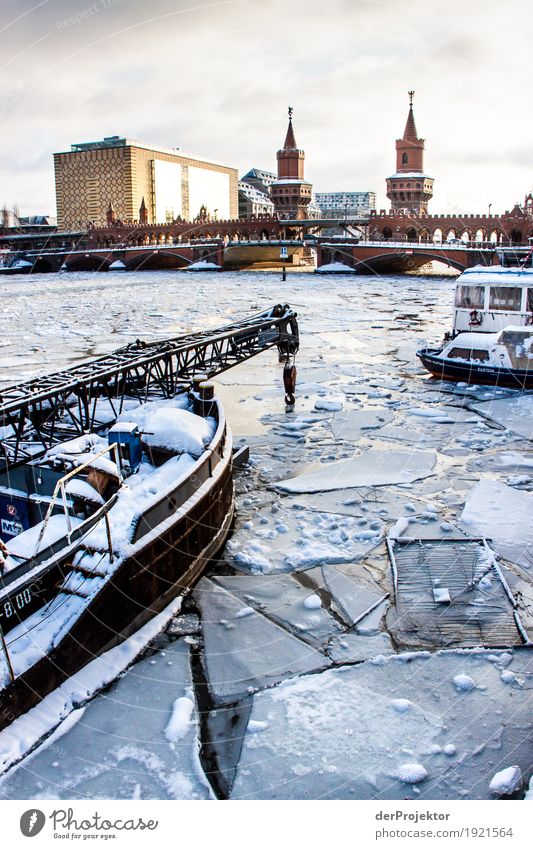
(397, 257)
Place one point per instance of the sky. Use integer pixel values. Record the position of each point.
(215, 79)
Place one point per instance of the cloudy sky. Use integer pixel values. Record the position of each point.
(216, 78)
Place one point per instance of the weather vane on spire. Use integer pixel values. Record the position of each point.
(411, 95)
(291, 110)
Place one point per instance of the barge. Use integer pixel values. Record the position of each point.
(101, 530)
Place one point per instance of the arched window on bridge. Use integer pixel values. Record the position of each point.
(424, 235)
(411, 234)
(494, 237)
(451, 234)
(465, 236)
(386, 233)
(437, 236)
(515, 237)
(480, 235)
(405, 159)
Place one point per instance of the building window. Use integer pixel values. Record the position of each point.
(405, 159)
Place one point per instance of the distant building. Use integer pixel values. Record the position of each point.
(260, 179)
(126, 175)
(410, 189)
(290, 192)
(344, 205)
(253, 202)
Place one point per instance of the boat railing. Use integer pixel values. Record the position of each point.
(60, 490)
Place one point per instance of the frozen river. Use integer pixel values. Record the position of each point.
(308, 664)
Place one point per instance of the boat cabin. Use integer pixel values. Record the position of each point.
(489, 299)
(510, 348)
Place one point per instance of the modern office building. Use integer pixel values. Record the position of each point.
(126, 175)
(343, 205)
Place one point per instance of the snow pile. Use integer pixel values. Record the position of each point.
(134, 497)
(178, 430)
(411, 773)
(506, 781)
(179, 722)
(334, 268)
(204, 265)
(464, 683)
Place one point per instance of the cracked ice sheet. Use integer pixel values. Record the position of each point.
(118, 748)
(375, 467)
(244, 650)
(502, 514)
(515, 413)
(345, 733)
(285, 601)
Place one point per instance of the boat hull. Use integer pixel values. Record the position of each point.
(162, 565)
(444, 368)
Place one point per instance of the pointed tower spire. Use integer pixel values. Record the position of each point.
(290, 141)
(110, 215)
(410, 133)
(143, 213)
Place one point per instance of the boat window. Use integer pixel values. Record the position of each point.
(468, 354)
(470, 297)
(505, 298)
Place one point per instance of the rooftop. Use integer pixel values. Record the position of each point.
(119, 141)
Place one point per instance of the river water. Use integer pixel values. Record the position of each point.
(304, 561)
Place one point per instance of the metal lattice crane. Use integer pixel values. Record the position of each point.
(45, 410)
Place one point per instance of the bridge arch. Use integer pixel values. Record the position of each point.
(156, 260)
(87, 262)
(515, 236)
(386, 233)
(401, 261)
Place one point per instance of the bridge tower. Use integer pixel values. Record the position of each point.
(410, 189)
(290, 193)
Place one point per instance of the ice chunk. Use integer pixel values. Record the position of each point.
(503, 514)
(373, 468)
(464, 683)
(412, 773)
(506, 781)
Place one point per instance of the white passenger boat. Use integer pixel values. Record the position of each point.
(488, 299)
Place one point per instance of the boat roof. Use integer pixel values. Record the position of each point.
(484, 340)
(496, 274)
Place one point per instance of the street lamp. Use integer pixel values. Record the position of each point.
(490, 207)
